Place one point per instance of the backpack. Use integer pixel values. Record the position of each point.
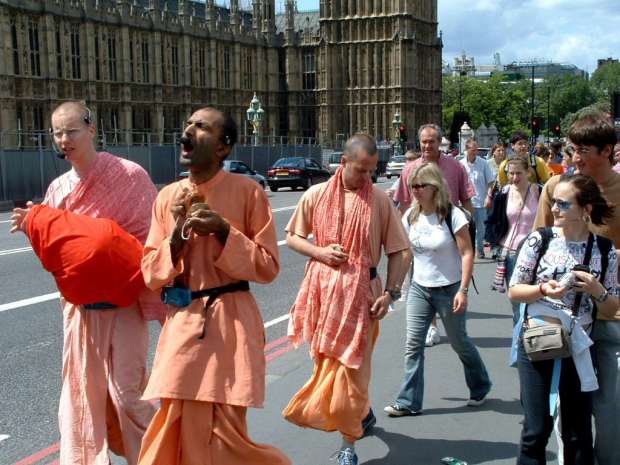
(471, 228)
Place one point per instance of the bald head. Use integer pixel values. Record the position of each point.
(74, 108)
(359, 142)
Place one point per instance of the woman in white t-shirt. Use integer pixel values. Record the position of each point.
(443, 263)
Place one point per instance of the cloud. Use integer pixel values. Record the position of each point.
(568, 31)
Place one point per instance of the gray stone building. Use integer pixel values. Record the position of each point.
(142, 66)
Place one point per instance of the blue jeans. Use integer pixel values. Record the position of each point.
(606, 336)
(511, 260)
(576, 412)
(422, 305)
(480, 214)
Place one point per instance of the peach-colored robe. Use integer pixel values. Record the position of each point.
(336, 396)
(104, 352)
(228, 366)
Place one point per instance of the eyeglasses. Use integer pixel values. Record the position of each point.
(419, 186)
(70, 133)
(581, 151)
(563, 205)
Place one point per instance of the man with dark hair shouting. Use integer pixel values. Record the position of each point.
(210, 235)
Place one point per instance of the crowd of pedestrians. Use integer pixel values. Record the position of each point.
(549, 214)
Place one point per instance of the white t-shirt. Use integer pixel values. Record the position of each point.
(437, 261)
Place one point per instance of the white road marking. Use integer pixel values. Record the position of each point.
(275, 321)
(3, 437)
(29, 301)
(5, 221)
(283, 209)
(56, 295)
(12, 251)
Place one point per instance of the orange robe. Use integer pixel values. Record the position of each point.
(336, 396)
(104, 370)
(224, 373)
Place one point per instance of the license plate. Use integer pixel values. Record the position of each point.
(281, 175)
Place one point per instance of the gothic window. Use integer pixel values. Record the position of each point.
(59, 55)
(202, 65)
(371, 66)
(97, 58)
(14, 46)
(174, 62)
(164, 76)
(132, 75)
(247, 70)
(226, 67)
(381, 65)
(76, 72)
(112, 57)
(33, 42)
(37, 118)
(145, 60)
(309, 70)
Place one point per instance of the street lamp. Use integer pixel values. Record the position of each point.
(255, 115)
(396, 124)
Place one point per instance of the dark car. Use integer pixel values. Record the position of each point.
(238, 167)
(295, 172)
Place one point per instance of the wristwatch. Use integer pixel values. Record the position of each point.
(464, 290)
(602, 298)
(395, 294)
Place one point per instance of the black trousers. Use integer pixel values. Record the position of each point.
(576, 412)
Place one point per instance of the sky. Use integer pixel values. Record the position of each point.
(567, 31)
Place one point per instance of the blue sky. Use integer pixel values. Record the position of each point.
(567, 31)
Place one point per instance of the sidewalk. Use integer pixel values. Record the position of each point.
(483, 435)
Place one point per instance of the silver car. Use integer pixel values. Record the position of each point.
(395, 166)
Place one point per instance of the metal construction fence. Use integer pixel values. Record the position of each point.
(26, 170)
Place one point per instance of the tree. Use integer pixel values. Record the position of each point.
(606, 80)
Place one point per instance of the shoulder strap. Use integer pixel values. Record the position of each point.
(545, 237)
(604, 246)
(534, 164)
(586, 261)
(448, 221)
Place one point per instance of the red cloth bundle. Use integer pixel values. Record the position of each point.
(92, 259)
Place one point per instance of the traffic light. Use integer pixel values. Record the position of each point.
(536, 124)
(557, 130)
(402, 133)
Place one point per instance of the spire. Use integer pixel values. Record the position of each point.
(269, 16)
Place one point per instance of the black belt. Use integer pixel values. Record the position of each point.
(373, 273)
(100, 306)
(213, 293)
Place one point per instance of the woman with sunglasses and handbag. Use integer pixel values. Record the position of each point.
(512, 216)
(561, 299)
(442, 269)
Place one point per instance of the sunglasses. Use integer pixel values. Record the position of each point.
(419, 186)
(563, 205)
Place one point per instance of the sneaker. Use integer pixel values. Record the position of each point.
(477, 401)
(345, 457)
(368, 422)
(395, 410)
(432, 337)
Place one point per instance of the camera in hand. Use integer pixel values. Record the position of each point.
(570, 278)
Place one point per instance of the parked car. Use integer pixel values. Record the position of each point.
(395, 166)
(238, 167)
(296, 172)
(334, 162)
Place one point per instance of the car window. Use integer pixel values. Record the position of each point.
(335, 157)
(289, 163)
(242, 168)
(313, 164)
